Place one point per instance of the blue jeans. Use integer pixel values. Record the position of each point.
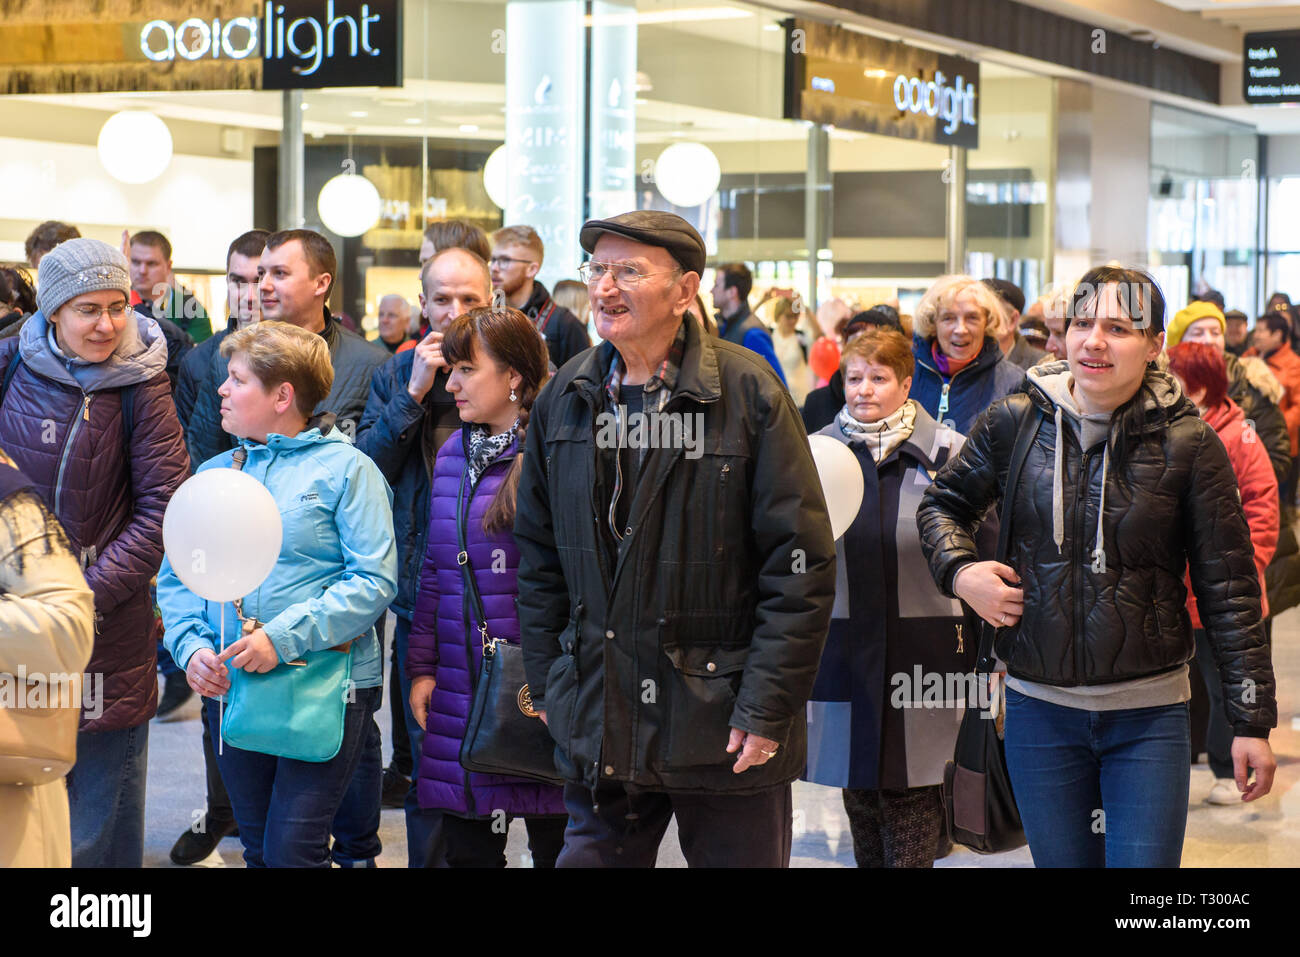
(425, 845)
(106, 797)
(1099, 788)
(284, 808)
(356, 823)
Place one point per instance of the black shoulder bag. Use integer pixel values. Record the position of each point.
(979, 804)
(504, 734)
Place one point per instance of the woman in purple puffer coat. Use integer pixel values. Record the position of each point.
(498, 365)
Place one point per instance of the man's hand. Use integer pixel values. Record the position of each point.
(756, 751)
(253, 652)
(424, 369)
(421, 689)
(983, 586)
(1248, 754)
(206, 674)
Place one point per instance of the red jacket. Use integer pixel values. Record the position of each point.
(1258, 487)
(1285, 365)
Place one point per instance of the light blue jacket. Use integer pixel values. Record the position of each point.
(337, 571)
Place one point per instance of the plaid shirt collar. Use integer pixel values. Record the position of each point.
(659, 387)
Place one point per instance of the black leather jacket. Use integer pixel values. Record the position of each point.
(1175, 507)
(716, 610)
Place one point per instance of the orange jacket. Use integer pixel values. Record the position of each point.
(1285, 366)
(1258, 485)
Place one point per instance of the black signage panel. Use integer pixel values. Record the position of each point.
(309, 44)
(835, 76)
(1270, 70)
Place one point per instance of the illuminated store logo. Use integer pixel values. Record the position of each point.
(956, 103)
(304, 38)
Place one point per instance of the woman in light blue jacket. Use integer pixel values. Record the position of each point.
(335, 576)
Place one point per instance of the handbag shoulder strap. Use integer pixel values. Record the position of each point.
(1025, 435)
(462, 559)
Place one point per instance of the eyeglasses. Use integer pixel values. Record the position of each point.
(91, 312)
(502, 261)
(625, 276)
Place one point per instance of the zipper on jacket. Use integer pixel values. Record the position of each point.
(1080, 507)
(67, 450)
(943, 402)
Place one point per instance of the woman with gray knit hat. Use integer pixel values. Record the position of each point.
(86, 412)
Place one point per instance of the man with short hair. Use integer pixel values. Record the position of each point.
(731, 288)
(409, 415)
(1050, 310)
(45, 237)
(161, 296)
(394, 321)
(516, 257)
(448, 233)
(298, 268)
(1014, 345)
(676, 572)
(199, 408)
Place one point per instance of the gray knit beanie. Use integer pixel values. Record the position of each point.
(77, 266)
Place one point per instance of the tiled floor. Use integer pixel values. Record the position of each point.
(1263, 834)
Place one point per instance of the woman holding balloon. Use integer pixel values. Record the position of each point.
(875, 727)
(303, 678)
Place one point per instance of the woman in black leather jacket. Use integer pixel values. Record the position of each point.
(1122, 488)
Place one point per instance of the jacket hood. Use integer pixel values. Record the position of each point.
(1223, 415)
(1257, 374)
(320, 429)
(1048, 385)
(139, 357)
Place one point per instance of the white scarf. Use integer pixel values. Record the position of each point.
(882, 437)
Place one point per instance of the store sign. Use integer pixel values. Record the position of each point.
(838, 77)
(303, 44)
(210, 45)
(1270, 70)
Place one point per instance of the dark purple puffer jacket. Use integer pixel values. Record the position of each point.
(438, 641)
(65, 431)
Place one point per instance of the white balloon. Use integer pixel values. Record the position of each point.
(135, 146)
(222, 533)
(496, 175)
(687, 174)
(841, 478)
(349, 204)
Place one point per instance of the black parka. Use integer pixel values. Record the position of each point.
(1176, 507)
(717, 609)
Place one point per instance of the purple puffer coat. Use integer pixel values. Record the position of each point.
(62, 423)
(438, 639)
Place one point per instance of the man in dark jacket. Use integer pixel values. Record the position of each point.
(736, 323)
(1018, 350)
(408, 417)
(676, 570)
(516, 257)
(160, 295)
(199, 408)
(298, 268)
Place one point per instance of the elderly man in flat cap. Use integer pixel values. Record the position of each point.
(676, 570)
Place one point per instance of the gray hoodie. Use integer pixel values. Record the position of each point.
(1054, 380)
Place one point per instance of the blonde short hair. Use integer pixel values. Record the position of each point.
(278, 352)
(947, 290)
(519, 236)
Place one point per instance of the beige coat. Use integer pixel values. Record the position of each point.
(46, 624)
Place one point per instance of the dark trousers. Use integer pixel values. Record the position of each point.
(284, 808)
(425, 844)
(356, 824)
(219, 811)
(621, 826)
(482, 842)
(895, 828)
(1211, 721)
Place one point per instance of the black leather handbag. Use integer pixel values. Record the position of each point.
(979, 804)
(504, 734)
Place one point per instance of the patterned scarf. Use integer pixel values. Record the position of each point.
(485, 449)
(880, 438)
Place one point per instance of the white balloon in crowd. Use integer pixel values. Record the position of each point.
(222, 533)
(841, 478)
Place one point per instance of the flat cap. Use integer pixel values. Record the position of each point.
(654, 228)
